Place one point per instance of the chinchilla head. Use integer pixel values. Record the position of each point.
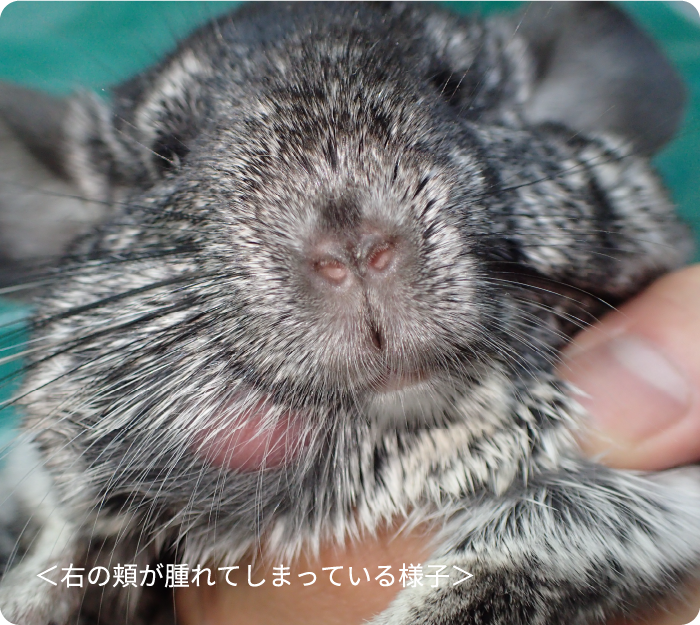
(323, 221)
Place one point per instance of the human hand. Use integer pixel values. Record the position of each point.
(640, 370)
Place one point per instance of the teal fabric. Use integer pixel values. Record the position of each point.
(12, 335)
(63, 46)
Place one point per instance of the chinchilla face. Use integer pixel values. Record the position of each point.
(344, 267)
(330, 224)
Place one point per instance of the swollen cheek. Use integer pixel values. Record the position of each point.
(251, 446)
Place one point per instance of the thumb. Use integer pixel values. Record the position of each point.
(639, 373)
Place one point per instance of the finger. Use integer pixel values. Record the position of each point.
(680, 611)
(352, 598)
(639, 373)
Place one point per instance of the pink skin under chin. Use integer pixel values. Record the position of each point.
(250, 447)
(247, 446)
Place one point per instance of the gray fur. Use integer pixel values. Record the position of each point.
(267, 139)
(586, 57)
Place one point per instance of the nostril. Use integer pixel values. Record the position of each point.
(380, 257)
(331, 270)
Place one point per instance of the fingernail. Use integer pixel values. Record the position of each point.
(629, 387)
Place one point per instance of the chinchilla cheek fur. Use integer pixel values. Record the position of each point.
(328, 256)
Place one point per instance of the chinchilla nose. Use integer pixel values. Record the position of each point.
(341, 261)
(361, 279)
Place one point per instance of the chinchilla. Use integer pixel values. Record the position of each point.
(329, 256)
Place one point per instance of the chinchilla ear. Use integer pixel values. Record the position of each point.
(597, 71)
(57, 172)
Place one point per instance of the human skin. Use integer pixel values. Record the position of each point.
(639, 373)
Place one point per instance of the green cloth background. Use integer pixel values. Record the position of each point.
(63, 46)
